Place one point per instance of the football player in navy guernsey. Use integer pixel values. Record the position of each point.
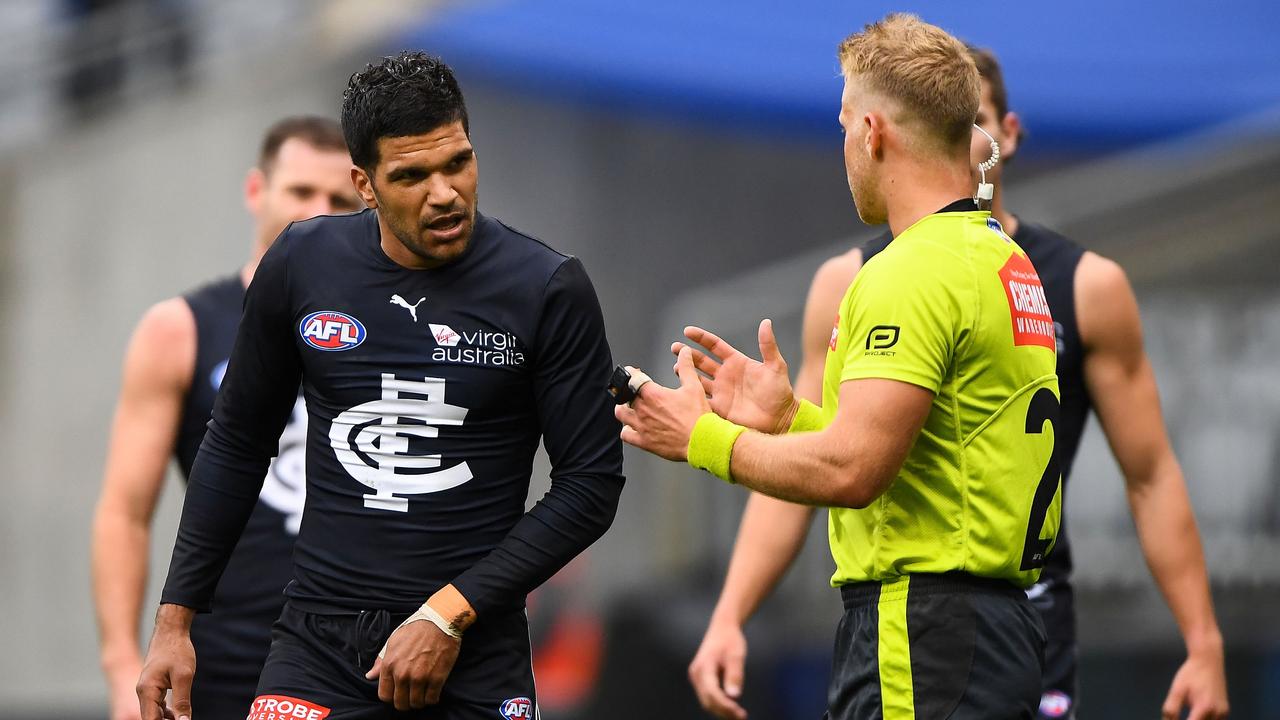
(1101, 366)
(174, 365)
(435, 347)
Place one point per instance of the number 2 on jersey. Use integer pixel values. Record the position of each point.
(1044, 408)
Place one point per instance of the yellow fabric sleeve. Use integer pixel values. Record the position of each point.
(901, 327)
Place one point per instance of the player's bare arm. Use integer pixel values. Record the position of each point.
(772, 531)
(221, 494)
(157, 373)
(1123, 388)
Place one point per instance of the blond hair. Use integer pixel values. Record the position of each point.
(927, 72)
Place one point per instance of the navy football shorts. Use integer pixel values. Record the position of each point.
(230, 649)
(1055, 601)
(318, 660)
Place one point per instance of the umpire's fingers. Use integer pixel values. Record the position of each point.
(633, 437)
(626, 415)
(701, 360)
(684, 368)
(769, 351)
(709, 340)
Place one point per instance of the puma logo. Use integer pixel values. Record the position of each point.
(413, 309)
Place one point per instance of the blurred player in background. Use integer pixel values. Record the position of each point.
(172, 371)
(436, 347)
(1101, 365)
(937, 381)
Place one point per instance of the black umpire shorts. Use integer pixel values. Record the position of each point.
(318, 660)
(929, 647)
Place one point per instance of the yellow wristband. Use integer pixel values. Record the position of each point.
(808, 418)
(711, 445)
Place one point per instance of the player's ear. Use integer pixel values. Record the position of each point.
(1011, 127)
(364, 186)
(255, 184)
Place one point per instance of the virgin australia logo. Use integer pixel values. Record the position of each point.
(445, 336)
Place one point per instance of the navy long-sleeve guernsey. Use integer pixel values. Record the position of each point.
(427, 392)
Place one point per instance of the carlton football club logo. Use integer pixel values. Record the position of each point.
(379, 443)
(331, 331)
(520, 708)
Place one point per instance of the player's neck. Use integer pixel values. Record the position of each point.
(249, 268)
(1002, 214)
(920, 190)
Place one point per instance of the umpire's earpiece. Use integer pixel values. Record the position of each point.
(986, 191)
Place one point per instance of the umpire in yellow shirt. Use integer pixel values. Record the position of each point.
(934, 445)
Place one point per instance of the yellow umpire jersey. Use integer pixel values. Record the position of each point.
(954, 305)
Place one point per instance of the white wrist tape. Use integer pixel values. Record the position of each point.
(638, 379)
(427, 613)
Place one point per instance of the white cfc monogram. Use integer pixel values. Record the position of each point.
(371, 440)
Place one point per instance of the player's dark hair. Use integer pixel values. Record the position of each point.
(989, 69)
(320, 133)
(407, 94)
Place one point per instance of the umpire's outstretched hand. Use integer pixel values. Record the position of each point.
(740, 389)
(418, 659)
(170, 665)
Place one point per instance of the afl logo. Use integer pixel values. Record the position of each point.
(515, 708)
(1055, 704)
(331, 331)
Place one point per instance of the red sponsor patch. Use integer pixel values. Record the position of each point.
(835, 334)
(283, 707)
(1028, 306)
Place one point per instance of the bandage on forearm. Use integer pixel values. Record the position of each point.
(428, 614)
(711, 445)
